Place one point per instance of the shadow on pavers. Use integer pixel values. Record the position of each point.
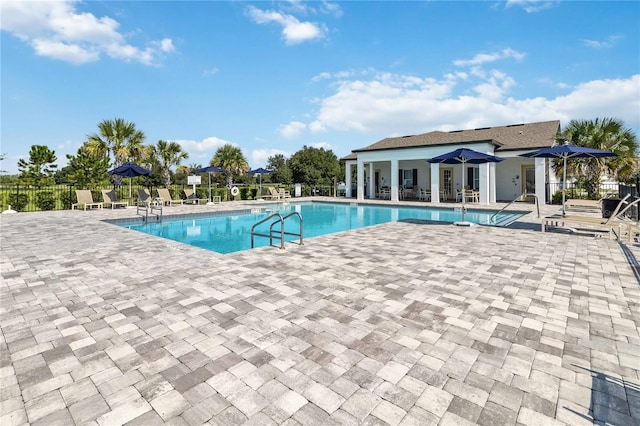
(614, 401)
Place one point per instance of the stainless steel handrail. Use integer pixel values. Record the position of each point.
(279, 220)
(519, 197)
(148, 209)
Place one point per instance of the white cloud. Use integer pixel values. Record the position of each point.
(325, 145)
(292, 130)
(603, 44)
(260, 157)
(483, 58)
(531, 6)
(55, 29)
(390, 104)
(202, 152)
(293, 30)
(210, 71)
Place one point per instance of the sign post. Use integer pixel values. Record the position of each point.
(194, 180)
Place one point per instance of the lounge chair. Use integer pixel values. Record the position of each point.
(284, 194)
(600, 224)
(583, 204)
(145, 199)
(110, 197)
(85, 199)
(165, 196)
(273, 194)
(193, 198)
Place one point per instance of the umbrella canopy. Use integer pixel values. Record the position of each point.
(260, 171)
(463, 156)
(209, 169)
(130, 170)
(565, 151)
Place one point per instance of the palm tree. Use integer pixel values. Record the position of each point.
(232, 159)
(167, 154)
(607, 134)
(119, 138)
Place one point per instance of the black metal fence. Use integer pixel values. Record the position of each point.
(29, 198)
(554, 191)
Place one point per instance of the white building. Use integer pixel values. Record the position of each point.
(399, 166)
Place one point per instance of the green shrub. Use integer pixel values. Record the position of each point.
(18, 202)
(45, 200)
(66, 199)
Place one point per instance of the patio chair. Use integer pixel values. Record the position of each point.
(110, 197)
(165, 196)
(425, 195)
(583, 204)
(595, 223)
(145, 199)
(85, 199)
(275, 195)
(192, 198)
(284, 194)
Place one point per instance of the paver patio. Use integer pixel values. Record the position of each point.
(402, 323)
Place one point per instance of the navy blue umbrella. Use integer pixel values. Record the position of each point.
(463, 156)
(565, 151)
(260, 171)
(209, 169)
(130, 170)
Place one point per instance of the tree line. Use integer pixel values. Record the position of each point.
(119, 141)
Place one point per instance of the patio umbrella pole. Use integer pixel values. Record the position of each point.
(462, 191)
(210, 199)
(564, 187)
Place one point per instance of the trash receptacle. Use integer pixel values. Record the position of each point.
(608, 206)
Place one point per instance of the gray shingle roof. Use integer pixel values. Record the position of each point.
(528, 136)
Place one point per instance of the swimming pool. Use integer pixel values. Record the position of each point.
(228, 232)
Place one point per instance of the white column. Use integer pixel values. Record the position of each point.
(435, 182)
(348, 165)
(541, 180)
(371, 185)
(492, 182)
(360, 179)
(394, 180)
(485, 188)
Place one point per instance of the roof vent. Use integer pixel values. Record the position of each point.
(408, 136)
(456, 131)
(515, 125)
(482, 128)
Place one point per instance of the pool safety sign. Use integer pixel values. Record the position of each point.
(193, 180)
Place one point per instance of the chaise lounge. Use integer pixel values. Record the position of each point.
(165, 196)
(85, 199)
(192, 198)
(110, 197)
(593, 222)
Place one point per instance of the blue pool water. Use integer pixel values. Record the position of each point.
(231, 232)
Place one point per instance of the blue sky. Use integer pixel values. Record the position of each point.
(271, 77)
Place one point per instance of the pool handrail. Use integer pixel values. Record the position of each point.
(519, 197)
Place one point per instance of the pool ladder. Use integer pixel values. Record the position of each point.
(522, 196)
(278, 234)
(149, 209)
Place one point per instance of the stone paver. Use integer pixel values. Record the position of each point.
(406, 323)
